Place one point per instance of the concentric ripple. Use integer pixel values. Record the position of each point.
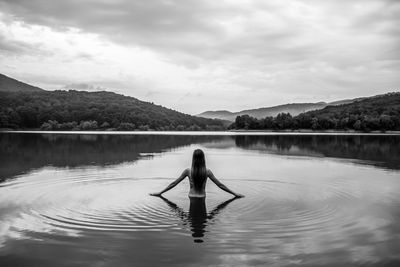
(276, 214)
(91, 201)
(99, 200)
(278, 209)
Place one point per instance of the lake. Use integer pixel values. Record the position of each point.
(310, 200)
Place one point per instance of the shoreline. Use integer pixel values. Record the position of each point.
(215, 133)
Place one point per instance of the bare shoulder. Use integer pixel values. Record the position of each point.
(212, 176)
(185, 173)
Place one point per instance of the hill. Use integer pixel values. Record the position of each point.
(345, 101)
(218, 114)
(81, 110)
(294, 109)
(381, 112)
(8, 84)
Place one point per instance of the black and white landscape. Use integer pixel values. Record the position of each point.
(115, 114)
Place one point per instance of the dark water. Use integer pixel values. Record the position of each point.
(82, 200)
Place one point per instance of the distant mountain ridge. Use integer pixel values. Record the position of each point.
(293, 108)
(8, 84)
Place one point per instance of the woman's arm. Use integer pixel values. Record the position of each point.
(173, 184)
(221, 185)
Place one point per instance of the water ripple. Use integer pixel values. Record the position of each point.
(92, 203)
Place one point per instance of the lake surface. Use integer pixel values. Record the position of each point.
(311, 200)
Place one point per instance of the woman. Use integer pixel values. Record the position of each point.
(198, 175)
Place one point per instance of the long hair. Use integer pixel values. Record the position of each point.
(199, 170)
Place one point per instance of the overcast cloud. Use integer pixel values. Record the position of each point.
(205, 55)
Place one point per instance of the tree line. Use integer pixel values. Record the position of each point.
(380, 113)
(81, 110)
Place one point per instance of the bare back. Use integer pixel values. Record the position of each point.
(200, 191)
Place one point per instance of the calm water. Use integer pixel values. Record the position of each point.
(82, 200)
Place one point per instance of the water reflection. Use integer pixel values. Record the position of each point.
(304, 208)
(382, 151)
(197, 217)
(20, 153)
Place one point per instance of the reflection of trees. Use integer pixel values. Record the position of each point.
(197, 217)
(377, 150)
(22, 152)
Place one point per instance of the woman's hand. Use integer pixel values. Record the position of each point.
(155, 194)
(239, 195)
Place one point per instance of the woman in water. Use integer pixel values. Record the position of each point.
(198, 175)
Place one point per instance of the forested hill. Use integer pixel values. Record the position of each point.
(380, 105)
(380, 112)
(8, 84)
(81, 110)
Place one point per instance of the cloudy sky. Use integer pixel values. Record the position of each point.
(194, 55)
